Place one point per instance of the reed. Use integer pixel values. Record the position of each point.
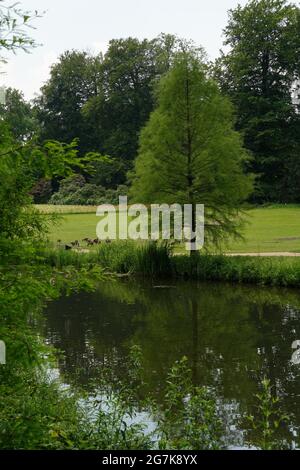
(157, 260)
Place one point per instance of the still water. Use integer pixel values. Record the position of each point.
(233, 336)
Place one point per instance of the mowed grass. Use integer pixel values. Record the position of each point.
(73, 227)
(269, 229)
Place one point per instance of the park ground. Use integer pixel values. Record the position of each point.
(269, 229)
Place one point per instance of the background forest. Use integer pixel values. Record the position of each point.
(95, 106)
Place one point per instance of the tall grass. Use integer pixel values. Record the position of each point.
(156, 260)
(147, 259)
(249, 270)
(60, 258)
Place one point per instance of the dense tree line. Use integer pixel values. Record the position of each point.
(104, 101)
(258, 73)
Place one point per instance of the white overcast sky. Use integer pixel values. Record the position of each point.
(90, 24)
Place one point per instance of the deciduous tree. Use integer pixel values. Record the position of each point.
(258, 73)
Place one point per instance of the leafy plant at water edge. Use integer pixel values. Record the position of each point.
(268, 419)
(189, 418)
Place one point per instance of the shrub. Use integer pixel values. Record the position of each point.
(75, 191)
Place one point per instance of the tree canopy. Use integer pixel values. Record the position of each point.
(103, 101)
(189, 151)
(18, 115)
(258, 73)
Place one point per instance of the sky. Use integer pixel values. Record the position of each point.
(90, 24)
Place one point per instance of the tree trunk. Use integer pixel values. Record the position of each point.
(193, 250)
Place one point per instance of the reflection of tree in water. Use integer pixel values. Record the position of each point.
(90, 330)
(232, 335)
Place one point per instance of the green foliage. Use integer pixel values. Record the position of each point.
(31, 407)
(73, 80)
(14, 24)
(109, 172)
(258, 73)
(18, 115)
(115, 409)
(75, 191)
(268, 418)
(189, 152)
(240, 269)
(189, 419)
(61, 258)
(153, 259)
(56, 159)
(18, 219)
(105, 101)
(156, 260)
(123, 257)
(37, 415)
(41, 165)
(125, 100)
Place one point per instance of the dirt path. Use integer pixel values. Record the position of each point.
(274, 254)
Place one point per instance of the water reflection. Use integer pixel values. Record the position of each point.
(232, 335)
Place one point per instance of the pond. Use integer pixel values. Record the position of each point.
(233, 336)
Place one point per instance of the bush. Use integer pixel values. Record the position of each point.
(75, 191)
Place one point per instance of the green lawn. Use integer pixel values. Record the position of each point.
(269, 229)
(73, 227)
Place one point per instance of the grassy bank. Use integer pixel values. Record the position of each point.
(154, 260)
(248, 270)
(268, 229)
(148, 259)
